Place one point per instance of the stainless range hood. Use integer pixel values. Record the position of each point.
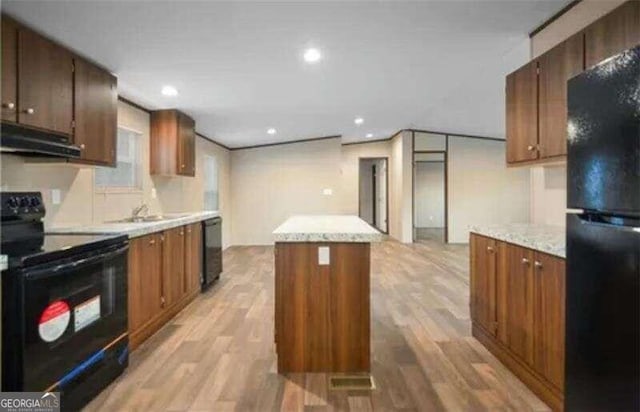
(28, 142)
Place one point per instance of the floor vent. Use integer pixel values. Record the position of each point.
(352, 382)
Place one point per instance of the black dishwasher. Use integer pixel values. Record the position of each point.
(212, 248)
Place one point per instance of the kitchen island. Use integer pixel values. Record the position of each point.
(322, 289)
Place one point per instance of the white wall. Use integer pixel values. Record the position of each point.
(549, 195)
(481, 189)
(400, 188)
(429, 194)
(269, 184)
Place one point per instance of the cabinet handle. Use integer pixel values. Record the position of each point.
(525, 261)
(537, 264)
(181, 232)
(9, 106)
(182, 166)
(530, 148)
(152, 242)
(162, 301)
(489, 249)
(189, 230)
(82, 146)
(30, 110)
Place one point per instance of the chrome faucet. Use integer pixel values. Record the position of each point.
(137, 211)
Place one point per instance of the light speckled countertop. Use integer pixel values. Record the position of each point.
(326, 228)
(543, 238)
(137, 229)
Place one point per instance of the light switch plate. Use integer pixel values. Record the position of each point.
(327, 192)
(323, 255)
(55, 196)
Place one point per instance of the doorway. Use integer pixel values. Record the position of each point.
(373, 193)
(429, 209)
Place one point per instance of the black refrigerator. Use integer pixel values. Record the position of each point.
(602, 360)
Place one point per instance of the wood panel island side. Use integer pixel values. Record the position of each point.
(322, 312)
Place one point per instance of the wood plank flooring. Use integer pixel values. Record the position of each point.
(218, 354)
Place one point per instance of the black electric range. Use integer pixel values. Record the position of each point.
(64, 304)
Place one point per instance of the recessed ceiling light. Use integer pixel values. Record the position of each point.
(169, 91)
(312, 55)
(271, 131)
(358, 120)
(369, 135)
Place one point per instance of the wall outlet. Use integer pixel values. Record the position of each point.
(323, 255)
(327, 192)
(56, 196)
(154, 193)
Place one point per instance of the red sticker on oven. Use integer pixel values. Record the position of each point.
(54, 321)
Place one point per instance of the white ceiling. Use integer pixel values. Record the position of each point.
(238, 67)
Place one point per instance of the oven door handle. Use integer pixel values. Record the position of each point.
(44, 271)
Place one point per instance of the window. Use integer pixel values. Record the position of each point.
(127, 174)
(211, 183)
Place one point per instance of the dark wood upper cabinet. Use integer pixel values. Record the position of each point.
(96, 112)
(45, 83)
(186, 145)
(172, 143)
(522, 114)
(9, 70)
(556, 67)
(613, 33)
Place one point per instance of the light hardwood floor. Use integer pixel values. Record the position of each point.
(218, 354)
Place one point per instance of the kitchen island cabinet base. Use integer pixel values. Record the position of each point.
(322, 313)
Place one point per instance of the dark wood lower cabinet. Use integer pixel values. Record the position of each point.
(528, 300)
(322, 317)
(162, 271)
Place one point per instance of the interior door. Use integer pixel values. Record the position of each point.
(557, 66)
(515, 300)
(9, 70)
(96, 105)
(45, 73)
(483, 282)
(145, 280)
(549, 281)
(173, 265)
(522, 113)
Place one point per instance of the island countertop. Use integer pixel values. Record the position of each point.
(326, 228)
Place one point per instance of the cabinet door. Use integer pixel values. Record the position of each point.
(9, 70)
(186, 145)
(145, 280)
(193, 257)
(557, 66)
(96, 111)
(45, 87)
(522, 114)
(483, 282)
(515, 300)
(613, 33)
(549, 333)
(173, 265)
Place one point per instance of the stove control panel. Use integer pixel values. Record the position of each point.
(22, 204)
